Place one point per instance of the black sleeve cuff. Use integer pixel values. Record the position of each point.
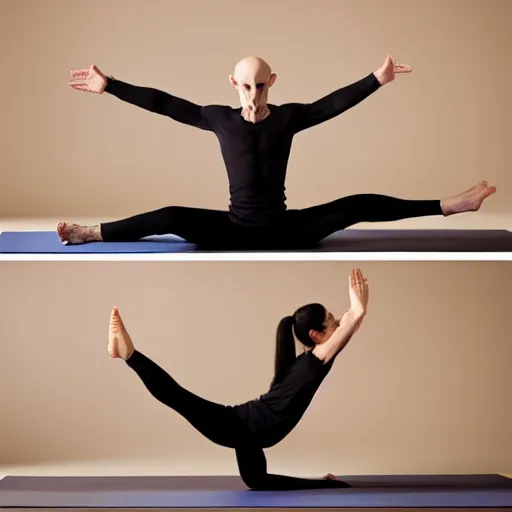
(373, 80)
(111, 84)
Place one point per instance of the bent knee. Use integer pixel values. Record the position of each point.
(255, 480)
(257, 484)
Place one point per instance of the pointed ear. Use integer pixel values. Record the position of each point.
(232, 81)
(272, 79)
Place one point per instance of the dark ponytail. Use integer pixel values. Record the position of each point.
(306, 318)
(285, 346)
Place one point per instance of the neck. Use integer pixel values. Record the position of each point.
(251, 117)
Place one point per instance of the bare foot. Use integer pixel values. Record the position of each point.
(330, 476)
(71, 234)
(119, 342)
(469, 200)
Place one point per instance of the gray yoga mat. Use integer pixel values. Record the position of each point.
(397, 491)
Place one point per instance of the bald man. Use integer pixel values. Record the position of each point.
(253, 78)
(255, 141)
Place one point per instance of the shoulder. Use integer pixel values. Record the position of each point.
(290, 108)
(315, 363)
(219, 111)
(219, 115)
(308, 361)
(289, 112)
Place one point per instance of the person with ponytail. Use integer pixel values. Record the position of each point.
(261, 423)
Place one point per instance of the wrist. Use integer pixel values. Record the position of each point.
(355, 315)
(380, 77)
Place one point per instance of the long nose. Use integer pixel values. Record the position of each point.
(253, 104)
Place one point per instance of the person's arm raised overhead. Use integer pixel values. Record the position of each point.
(159, 102)
(349, 96)
(350, 321)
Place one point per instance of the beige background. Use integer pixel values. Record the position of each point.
(424, 387)
(82, 157)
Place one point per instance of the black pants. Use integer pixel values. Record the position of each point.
(221, 425)
(297, 228)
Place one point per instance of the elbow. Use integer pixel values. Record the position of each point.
(158, 102)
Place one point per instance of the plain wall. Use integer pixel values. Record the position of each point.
(69, 155)
(423, 387)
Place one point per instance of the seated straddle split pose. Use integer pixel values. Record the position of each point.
(255, 142)
(250, 427)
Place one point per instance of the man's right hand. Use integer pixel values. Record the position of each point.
(358, 292)
(88, 80)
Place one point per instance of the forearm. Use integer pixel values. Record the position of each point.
(349, 324)
(143, 97)
(347, 97)
(156, 101)
(340, 100)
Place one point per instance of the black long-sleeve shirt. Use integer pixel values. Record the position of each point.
(255, 155)
(273, 415)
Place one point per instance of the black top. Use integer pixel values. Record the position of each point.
(272, 416)
(256, 155)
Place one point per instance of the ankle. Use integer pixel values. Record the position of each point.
(447, 207)
(97, 233)
(128, 358)
(93, 233)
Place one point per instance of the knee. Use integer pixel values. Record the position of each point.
(252, 465)
(169, 211)
(255, 482)
(254, 479)
(169, 217)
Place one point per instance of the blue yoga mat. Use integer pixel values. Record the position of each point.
(394, 491)
(350, 240)
(48, 242)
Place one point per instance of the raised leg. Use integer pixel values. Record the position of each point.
(195, 225)
(216, 422)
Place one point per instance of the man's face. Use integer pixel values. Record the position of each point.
(252, 79)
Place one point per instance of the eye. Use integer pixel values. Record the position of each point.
(260, 86)
(247, 86)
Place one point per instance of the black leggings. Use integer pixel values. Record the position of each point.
(221, 425)
(296, 228)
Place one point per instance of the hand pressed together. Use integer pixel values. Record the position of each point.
(358, 293)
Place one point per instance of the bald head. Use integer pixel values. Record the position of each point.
(250, 67)
(252, 77)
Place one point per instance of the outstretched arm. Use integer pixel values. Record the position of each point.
(94, 81)
(343, 99)
(336, 103)
(158, 102)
